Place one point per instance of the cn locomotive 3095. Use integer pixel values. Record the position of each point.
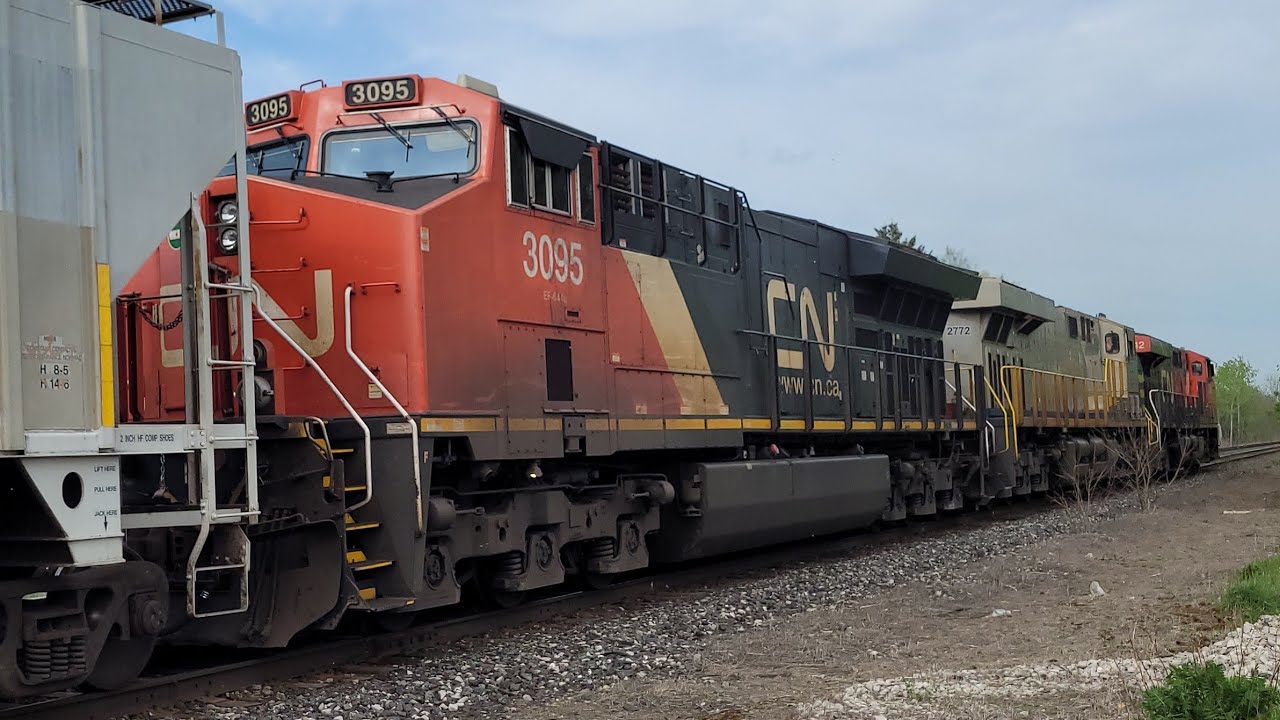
(492, 353)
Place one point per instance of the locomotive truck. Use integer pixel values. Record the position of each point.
(473, 352)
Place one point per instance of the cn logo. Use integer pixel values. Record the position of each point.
(810, 323)
(313, 346)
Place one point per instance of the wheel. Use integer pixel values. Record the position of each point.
(597, 581)
(120, 662)
(505, 599)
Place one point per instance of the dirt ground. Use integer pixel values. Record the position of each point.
(1161, 570)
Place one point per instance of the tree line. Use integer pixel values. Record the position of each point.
(1248, 407)
(950, 256)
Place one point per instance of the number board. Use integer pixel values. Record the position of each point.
(269, 110)
(381, 92)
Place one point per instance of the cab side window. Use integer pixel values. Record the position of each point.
(544, 179)
(1111, 343)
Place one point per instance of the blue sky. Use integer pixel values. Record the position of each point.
(1120, 157)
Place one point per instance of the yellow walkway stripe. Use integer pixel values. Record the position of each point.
(639, 424)
(458, 424)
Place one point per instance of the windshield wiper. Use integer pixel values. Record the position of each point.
(457, 176)
(295, 148)
(301, 171)
(394, 133)
(456, 127)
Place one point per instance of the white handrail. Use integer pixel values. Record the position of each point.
(368, 441)
(417, 470)
(991, 429)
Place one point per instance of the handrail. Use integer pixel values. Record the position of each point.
(1003, 412)
(1013, 407)
(368, 441)
(417, 469)
(1155, 410)
(960, 395)
(990, 428)
(843, 346)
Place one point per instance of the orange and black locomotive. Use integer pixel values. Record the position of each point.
(493, 353)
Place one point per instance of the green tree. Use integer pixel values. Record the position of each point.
(1233, 379)
(958, 258)
(1246, 411)
(951, 256)
(1273, 389)
(892, 234)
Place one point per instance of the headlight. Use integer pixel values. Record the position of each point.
(229, 240)
(228, 212)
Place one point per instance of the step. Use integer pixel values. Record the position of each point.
(390, 603)
(356, 488)
(352, 525)
(368, 593)
(358, 562)
(320, 443)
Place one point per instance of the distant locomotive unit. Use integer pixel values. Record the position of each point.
(472, 352)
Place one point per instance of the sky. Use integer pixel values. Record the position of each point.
(1120, 157)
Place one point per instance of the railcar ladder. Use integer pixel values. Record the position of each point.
(221, 531)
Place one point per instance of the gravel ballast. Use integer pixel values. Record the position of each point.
(1253, 647)
(494, 676)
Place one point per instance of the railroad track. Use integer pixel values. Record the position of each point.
(247, 668)
(1244, 452)
(262, 667)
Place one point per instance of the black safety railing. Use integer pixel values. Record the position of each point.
(889, 388)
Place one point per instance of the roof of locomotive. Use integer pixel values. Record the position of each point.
(871, 256)
(996, 292)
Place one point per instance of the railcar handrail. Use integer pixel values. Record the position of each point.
(1005, 414)
(1155, 410)
(991, 429)
(1090, 389)
(413, 430)
(310, 361)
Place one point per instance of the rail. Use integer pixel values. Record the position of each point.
(413, 431)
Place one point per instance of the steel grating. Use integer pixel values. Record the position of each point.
(145, 10)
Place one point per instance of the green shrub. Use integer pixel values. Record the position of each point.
(1256, 591)
(1202, 691)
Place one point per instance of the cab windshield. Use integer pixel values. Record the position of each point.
(277, 159)
(405, 151)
